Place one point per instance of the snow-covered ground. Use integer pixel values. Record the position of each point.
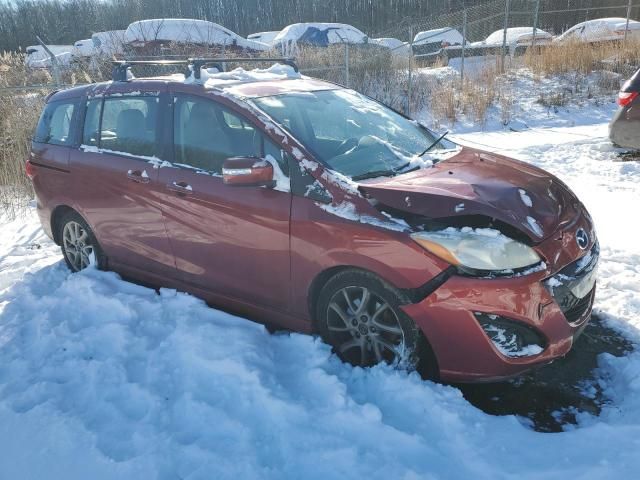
(104, 379)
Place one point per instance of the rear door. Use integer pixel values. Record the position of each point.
(115, 173)
(231, 241)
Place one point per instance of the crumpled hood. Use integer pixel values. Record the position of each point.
(479, 183)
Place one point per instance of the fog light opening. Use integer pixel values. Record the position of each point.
(512, 339)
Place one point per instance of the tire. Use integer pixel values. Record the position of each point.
(378, 331)
(78, 243)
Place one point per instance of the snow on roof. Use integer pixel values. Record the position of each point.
(214, 79)
(448, 35)
(264, 37)
(599, 29)
(314, 33)
(396, 46)
(182, 30)
(515, 35)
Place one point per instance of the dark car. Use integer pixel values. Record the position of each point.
(314, 208)
(624, 129)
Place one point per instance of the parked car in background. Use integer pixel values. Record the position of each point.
(109, 43)
(624, 129)
(600, 30)
(310, 206)
(518, 39)
(37, 57)
(397, 47)
(83, 48)
(151, 36)
(431, 44)
(316, 35)
(263, 37)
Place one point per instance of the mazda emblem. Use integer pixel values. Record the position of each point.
(582, 238)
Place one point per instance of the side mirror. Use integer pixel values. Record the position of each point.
(247, 172)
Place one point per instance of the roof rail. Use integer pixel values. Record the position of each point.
(121, 67)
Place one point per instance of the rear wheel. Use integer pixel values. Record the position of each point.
(79, 245)
(359, 316)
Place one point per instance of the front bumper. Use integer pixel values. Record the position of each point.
(544, 301)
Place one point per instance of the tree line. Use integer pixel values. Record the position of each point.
(65, 21)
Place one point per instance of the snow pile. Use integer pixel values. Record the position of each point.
(186, 31)
(212, 78)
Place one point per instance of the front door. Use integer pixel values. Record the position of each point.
(231, 241)
(117, 186)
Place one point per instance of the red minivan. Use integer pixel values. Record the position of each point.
(314, 208)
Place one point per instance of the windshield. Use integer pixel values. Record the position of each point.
(352, 134)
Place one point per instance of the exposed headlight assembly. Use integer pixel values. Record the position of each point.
(479, 251)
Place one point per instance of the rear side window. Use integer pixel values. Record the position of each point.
(129, 125)
(55, 123)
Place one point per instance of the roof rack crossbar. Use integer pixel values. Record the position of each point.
(121, 67)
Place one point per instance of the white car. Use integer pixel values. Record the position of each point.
(185, 31)
(263, 37)
(518, 36)
(109, 43)
(83, 48)
(397, 47)
(600, 30)
(317, 35)
(37, 57)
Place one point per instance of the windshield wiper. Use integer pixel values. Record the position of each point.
(384, 173)
(434, 143)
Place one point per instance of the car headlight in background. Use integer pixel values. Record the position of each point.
(482, 249)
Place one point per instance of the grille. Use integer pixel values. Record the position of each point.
(574, 313)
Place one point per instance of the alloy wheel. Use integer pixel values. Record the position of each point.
(78, 246)
(365, 328)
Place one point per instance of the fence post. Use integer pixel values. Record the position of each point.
(410, 72)
(535, 25)
(464, 44)
(346, 63)
(54, 62)
(626, 30)
(504, 36)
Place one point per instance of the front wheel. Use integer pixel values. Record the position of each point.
(79, 245)
(359, 316)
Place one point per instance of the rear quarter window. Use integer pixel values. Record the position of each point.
(55, 125)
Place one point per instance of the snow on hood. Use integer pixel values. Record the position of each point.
(335, 33)
(448, 35)
(186, 31)
(478, 183)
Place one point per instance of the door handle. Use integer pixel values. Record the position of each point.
(182, 188)
(138, 176)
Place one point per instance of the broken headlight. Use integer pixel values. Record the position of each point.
(482, 250)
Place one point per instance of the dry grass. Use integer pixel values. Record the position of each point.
(583, 58)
